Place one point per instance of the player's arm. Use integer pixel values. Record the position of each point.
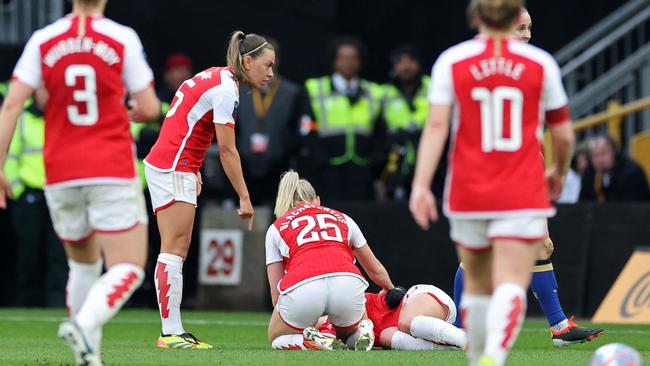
(231, 163)
(366, 257)
(373, 267)
(559, 122)
(144, 105)
(275, 272)
(432, 143)
(11, 108)
(274, 262)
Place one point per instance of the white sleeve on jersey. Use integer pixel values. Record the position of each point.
(554, 95)
(355, 236)
(442, 91)
(223, 107)
(272, 245)
(136, 72)
(28, 69)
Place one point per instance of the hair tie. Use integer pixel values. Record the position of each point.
(257, 48)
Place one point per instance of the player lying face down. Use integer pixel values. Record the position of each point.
(415, 320)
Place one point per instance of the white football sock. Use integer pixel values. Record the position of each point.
(505, 317)
(406, 342)
(289, 342)
(106, 297)
(169, 287)
(473, 313)
(437, 331)
(81, 277)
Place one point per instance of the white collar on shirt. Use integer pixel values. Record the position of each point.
(342, 85)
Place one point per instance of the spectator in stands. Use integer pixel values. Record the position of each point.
(405, 108)
(345, 110)
(178, 68)
(573, 178)
(612, 176)
(41, 269)
(267, 132)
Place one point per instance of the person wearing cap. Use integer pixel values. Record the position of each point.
(343, 121)
(404, 111)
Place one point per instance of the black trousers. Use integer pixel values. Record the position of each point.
(41, 265)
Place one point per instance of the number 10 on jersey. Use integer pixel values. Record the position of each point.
(492, 108)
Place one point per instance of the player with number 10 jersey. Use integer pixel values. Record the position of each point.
(509, 93)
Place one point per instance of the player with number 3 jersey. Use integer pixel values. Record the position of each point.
(497, 195)
(310, 256)
(88, 64)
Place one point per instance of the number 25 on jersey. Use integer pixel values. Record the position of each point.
(492, 106)
(310, 233)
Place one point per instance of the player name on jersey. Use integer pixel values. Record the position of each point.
(72, 45)
(296, 212)
(497, 66)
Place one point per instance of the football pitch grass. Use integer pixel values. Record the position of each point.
(28, 337)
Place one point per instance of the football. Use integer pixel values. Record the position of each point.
(616, 354)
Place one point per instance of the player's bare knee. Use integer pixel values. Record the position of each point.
(404, 323)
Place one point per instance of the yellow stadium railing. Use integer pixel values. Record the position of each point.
(613, 117)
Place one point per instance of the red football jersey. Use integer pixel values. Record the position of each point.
(500, 100)
(85, 66)
(382, 317)
(211, 96)
(313, 242)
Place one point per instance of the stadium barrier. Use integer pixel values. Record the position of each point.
(592, 244)
(628, 301)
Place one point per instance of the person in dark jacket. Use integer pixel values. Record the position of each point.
(612, 176)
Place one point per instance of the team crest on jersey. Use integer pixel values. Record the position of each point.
(235, 111)
(204, 75)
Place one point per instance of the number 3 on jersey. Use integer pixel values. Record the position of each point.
(492, 108)
(87, 95)
(316, 235)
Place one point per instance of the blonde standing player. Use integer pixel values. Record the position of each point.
(310, 255)
(88, 63)
(497, 193)
(202, 105)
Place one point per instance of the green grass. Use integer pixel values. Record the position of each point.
(27, 337)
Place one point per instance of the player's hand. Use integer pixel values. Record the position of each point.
(394, 297)
(554, 180)
(246, 212)
(5, 190)
(199, 184)
(423, 207)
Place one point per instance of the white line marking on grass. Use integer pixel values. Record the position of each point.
(54, 319)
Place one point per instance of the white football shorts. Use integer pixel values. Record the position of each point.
(169, 187)
(477, 234)
(341, 297)
(79, 211)
(440, 296)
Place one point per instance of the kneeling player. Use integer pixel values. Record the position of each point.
(310, 253)
(420, 319)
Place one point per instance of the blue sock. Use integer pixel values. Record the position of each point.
(544, 286)
(458, 293)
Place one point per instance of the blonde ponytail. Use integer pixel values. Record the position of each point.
(242, 45)
(291, 192)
